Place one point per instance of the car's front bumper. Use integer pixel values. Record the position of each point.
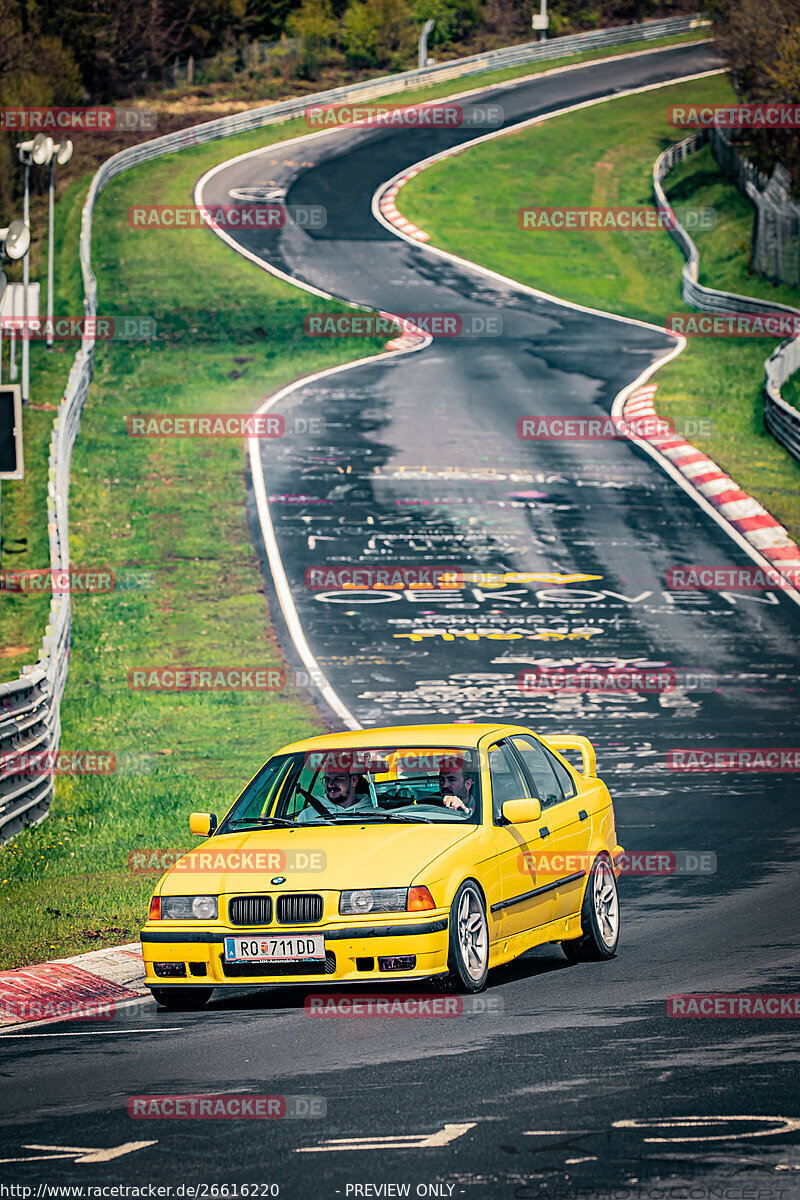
(352, 954)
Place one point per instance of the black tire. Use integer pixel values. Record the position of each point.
(468, 957)
(599, 917)
(185, 999)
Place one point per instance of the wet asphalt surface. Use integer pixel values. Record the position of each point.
(580, 1084)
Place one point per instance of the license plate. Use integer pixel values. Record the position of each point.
(293, 948)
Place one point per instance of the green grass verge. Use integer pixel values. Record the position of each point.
(173, 511)
(604, 156)
(791, 390)
(24, 617)
(25, 535)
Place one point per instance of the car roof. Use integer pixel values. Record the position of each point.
(463, 734)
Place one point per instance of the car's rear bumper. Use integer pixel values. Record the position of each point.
(352, 955)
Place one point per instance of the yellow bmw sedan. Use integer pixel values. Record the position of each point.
(429, 852)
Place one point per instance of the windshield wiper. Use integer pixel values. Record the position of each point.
(264, 821)
(386, 816)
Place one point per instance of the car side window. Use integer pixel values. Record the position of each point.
(507, 780)
(563, 776)
(538, 767)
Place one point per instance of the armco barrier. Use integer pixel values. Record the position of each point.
(780, 418)
(24, 800)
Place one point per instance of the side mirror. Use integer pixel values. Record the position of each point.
(202, 824)
(517, 812)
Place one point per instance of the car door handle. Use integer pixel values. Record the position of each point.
(544, 832)
(584, 816)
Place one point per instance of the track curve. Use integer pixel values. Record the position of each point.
(579, 1079)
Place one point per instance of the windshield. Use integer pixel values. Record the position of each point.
(392, 786)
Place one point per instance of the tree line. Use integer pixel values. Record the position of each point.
(69, 52)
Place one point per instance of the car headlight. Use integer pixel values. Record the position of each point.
(367, 900)
(188, 908)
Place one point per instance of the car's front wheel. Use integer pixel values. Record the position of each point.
(185, 999)
(468, 959)
(599, 917)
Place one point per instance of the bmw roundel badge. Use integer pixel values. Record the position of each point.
(278, 879)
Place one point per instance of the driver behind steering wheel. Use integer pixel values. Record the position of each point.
(344, 789)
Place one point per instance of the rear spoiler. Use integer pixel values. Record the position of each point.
(577, 743)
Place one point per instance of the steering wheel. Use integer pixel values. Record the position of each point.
(313, 800)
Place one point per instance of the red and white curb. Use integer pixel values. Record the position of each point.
(740, 510)
(85, 987)
(411, 336)
(390, 211)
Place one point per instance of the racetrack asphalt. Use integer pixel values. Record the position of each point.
(580, 1079)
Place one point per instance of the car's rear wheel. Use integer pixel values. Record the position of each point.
(468, 959)
(599, 917)
(187, 999)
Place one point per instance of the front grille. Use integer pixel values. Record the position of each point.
(299, 910)
(270, 970)
(250, 910)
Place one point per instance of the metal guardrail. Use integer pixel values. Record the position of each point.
(257, 51)
(776, 227)
(24, 798)
(27, 726)
(780, 418)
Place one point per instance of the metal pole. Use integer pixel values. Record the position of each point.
(50, 234)
(423, 43)
(26, 279)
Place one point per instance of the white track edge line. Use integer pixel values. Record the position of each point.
(621, 397)
(511, 129)
(285, 597)
(690, 488)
